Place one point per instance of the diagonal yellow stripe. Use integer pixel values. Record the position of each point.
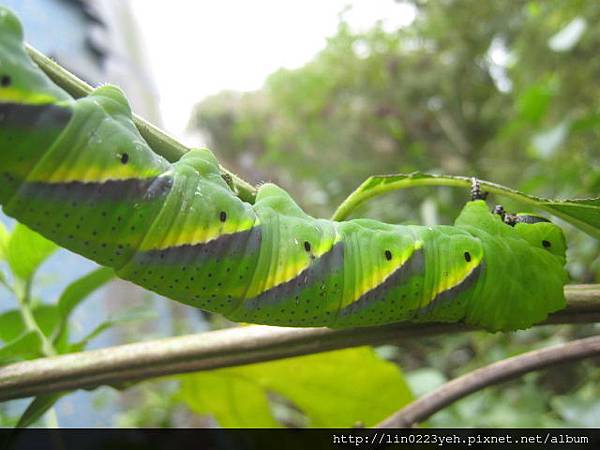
(199, 235)
(292, 267)
(13, 94)
(378, 276)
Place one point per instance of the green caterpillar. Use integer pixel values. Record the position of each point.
(78, 172)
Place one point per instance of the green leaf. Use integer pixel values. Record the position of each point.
(37, 408)
(27, 250)
(334, 389)
(81, 288)
(77, 292)
(47, 317)
(132, 315)
(4, 236)
(229, 397)
(581, 213)
(12, 326)
(26, 346)
(24, 343)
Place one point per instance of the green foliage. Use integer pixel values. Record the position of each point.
(26, 251)
(18, 326)
(334, 389)
(130, 315)
(4, 236)
(25, 346)
(77, 292)
(35, 329)
(233, 399)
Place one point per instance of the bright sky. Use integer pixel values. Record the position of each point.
(198, 48)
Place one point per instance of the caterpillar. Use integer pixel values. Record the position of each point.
(79, 173)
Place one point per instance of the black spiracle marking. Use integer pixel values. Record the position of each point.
(467, 257)
(307, 246)
(124, 158)
(546, 243)
(5, 80)
(388, 255)
(223, 216)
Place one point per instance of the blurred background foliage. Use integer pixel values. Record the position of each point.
(504, 91)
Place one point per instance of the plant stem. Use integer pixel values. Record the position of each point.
(162, 144)
(369, 190)
(231, 347)
(359, 197)
(29, 319)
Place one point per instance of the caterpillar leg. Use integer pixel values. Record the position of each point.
(513, 219)
(500, 211)
(507, 218)
(476, 192)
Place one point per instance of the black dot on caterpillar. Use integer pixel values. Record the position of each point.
(5, 80)
(223, 216)
(124, 158)
(307, 246)
(546, 243)
(467, 256)
(388, 255)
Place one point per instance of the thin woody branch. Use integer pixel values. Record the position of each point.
(495, 373)
(231, 347)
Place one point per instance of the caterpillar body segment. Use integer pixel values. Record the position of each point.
(78, 172)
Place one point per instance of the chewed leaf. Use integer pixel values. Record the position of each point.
(581, 213)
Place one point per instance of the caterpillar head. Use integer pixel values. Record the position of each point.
(525, 271)
(541, 233)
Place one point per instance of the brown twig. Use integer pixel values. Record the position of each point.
(231, 347)
(495, 373)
